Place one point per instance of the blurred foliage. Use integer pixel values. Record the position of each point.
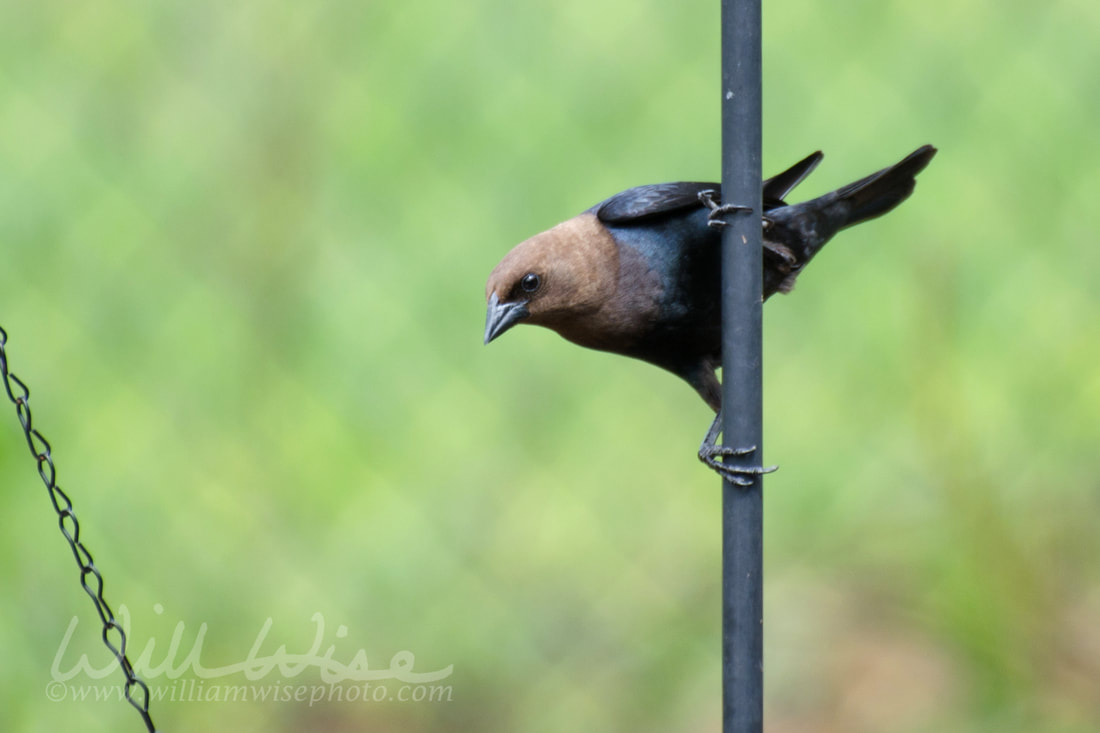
(244, 249)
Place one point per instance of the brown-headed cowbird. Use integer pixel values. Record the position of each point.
(639, 274)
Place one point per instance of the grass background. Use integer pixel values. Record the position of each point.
(244, 250)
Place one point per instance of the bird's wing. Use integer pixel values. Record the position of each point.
(644, 202)
(777, 187)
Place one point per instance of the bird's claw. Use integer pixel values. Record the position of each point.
(739, 475)
(712, 454)
(790, 262)
(715, 219)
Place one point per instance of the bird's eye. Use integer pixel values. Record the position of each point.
(530, 282)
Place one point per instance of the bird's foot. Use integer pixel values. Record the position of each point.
(790, 262)
(716, 217)
(740, 475)
(714, 455)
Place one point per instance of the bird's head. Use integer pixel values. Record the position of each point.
(552, 278)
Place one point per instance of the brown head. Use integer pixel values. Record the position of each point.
(558, 279)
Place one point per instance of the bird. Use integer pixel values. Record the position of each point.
(639, 274)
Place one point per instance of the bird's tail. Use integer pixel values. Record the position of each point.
(879, 192)
(796, 233)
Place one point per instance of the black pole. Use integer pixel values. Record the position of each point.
(742, 532)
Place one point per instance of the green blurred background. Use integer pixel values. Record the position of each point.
(244, 252)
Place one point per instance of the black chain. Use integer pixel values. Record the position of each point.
(136, 691)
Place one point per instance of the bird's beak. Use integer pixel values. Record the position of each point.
(502, 316)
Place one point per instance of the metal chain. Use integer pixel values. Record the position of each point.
(136, 691)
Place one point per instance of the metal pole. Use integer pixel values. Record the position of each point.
(742, 546)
